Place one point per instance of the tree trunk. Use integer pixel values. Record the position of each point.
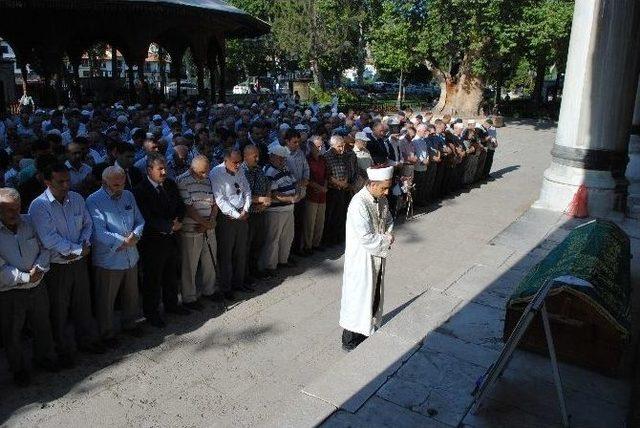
(541, 68)
(362, 56)
(163, 70)
(318, 78)
(461, 98)
(400, 83)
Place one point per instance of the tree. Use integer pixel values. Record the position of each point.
(318, 34)
(392, 39)
(544, 31)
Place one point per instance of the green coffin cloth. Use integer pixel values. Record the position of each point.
(594, 263)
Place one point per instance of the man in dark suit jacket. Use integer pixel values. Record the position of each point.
(163, 210)
(377, 147)
(122, 154)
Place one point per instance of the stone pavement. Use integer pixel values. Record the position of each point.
(275, 359)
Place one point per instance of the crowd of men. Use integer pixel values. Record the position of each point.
(179, 204)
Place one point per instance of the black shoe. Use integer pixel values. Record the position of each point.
(270, 273)
(319, 248)
(66, 361)
(216, 297)
(249, 280)
(246, 288)
(95, 348)
(286, 265)
(291, 262)
(136, 331)
(299, 253)
(194, 306)
(47, 365)
(22, 378)
(229, 295)
(111, 343)
(156, 321)
(308, 252)
(178, 310)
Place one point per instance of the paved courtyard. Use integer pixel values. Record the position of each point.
(275, 359)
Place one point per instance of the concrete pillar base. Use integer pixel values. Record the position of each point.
(561, 182)
(633, 176)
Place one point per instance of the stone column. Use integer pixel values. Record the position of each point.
(633, 167)
(597, 102)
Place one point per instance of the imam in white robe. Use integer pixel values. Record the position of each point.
(368, 228)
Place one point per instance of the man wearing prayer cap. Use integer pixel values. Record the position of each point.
(368, 242)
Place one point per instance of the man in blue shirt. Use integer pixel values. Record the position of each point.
(64, 227)
(117, 228)
(23, 297)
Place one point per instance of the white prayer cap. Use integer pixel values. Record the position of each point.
(276, 112)
(307, 112)
(150, 136)
(394, 120)
(334, 114)
(313, 119)
(156, 117)
(342, 115)
(300, 127)
(380, 174)
(122, 119)
(284, 127)
(171, 120)
(278, 150)
(201, 102)
(297, 113)
(85, 113)
(254, 105)
(54, 132)
(361, 136)
(367, 130)
(132, 108)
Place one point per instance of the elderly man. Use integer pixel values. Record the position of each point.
(233, 197)
(363, 159)
(23, 297)
(338, 192)
(260, 200)
(369, 239)
(117, 228)
(299, 168)
(279, 220)
(64, 228)
(198, 239)
(163, 210)
(421, 153)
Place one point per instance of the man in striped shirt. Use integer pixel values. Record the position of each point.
(279, 216)
(198, 238)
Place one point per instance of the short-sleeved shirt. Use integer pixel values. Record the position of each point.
(197, 193)
(281, 182)
(260, 185)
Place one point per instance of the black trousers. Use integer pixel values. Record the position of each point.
(159, 256)
(298, 226)
(488, 162)
(420, 179)
(335, 216)
(232, 251)
(436, 192)
(350, 338)
(432, 171)
(18, 307)
(255, 240)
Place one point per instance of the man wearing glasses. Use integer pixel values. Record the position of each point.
(233, 196)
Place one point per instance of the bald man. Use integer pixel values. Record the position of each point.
(117, 228)
(198, 239)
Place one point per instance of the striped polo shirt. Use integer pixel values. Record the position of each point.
(197, 193)
(281, 182)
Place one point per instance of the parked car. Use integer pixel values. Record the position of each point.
(187, 88)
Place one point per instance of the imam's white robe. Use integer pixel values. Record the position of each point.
(367, 246)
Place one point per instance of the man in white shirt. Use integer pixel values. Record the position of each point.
(233, 197)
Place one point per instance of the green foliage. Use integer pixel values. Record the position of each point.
(392, 38)
(324, 97)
